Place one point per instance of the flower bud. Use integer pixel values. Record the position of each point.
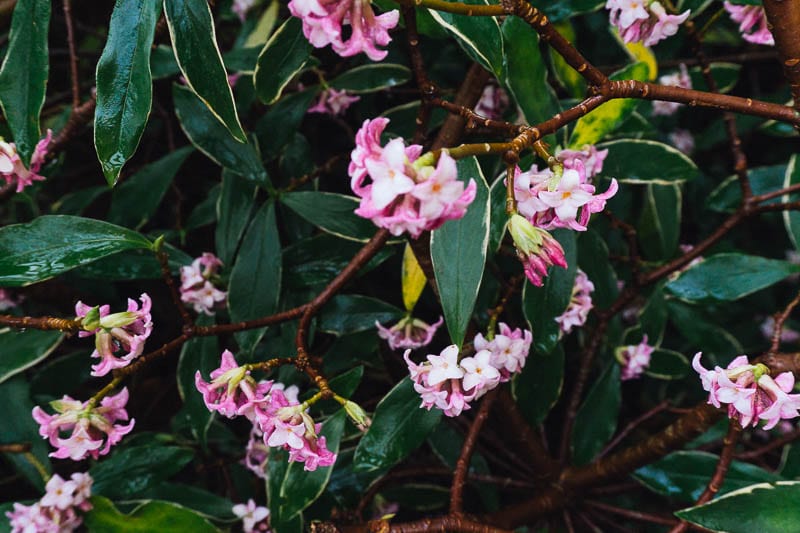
(357, 415)
(91, 321)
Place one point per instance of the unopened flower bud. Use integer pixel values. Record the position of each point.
(357, 415)
(91, 321)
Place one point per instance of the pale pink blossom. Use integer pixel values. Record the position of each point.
(479, 373)
(444, 366)
(493, 102)
(676, 79)
(333, 102)
(682, 139)
(231, 391)
(752, 23)
(7, 300)
(509, 349)
(536, 249)
(197, 284)
(254, 518)
(589, 157)
(579, 306)
(256, 453)
(634, 359)
(442, 392)
(643, 21)
(12, 168)
(409, 332)
(241, 7)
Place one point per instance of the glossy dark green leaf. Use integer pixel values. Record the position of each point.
(596, 420)
(640, 161)
(255, 283)
(702, 334)
(124, 84)
(199, 354)
(728, 277)
(538, 387)
(398, 427)
(791, 219)
(201, 501)
(163, 63)
(684, 475)
(371, 78)
(194, 39)
(725, 74)
(498, 219)
(568, 77)
(558, 10)
(210, 138)
(351, 313)
(242, 59)
(480, 37)
(53, 244)
(331, 212)
(458, 252)
(402, 119)
(653, 317)
(233, 213)
(23, 349)
(278, 465)
(279, 124)
(659, 225)
(728, 194)
(19, 426)
(138, 197)
(593, 259)
(23, 76)
(132, 264)
(541, 305)
(282, 58)
(152, 516)
(75, 203)
(131, 470)
(667, 364)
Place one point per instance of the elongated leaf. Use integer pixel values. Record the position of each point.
(152, 516)
(331, 212)
(728, 194)
(134, 469)
(667, 364)
(567, 76)
(53, 244)
(23, 76)
(194, 40)
(282, 58)
(728, 277)
(203, 502)
(199, 354)
(498, 218)
(480, 37)
(351, 313)
(371, 78)
(725, 74)
(398, 428)
(124, 84)
(593, 260)
(137, 198)
(279, 124)
(233, 213)
(412, 278)
(596, 420)
(208, 136)
(19, 426)
(791, 219)
(538, 387)
(703, 334)
(255, 283)
(660, 221)
(132, 264)
(458, 252)
(23, 349)
(639, 161)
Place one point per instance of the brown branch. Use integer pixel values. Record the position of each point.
(774, 445)
(17, 447)
(467, 96)
(277, 318)
(73, 55)
(427, 89)
(783, 17)
(44, 323)
(631, 426)
(474, 120)
(462, 465)
(166, 275)
(780, 319)
(79, 118)
(326, 168)
(634, 515)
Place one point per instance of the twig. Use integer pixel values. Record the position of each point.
(784, 19)
(73, 55)
(774, 445)
(633, 515)
(462, 465)
(631, 426)
(166, 275)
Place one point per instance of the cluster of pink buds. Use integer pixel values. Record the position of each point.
(750, 392)
(579, 306)
(449, 384)
(333, 102)
(752, 23)
(92, 429)
(255, 519)
(634, 359)
(644, 21)
(12, 168)
(406, 192)
(677, 79)
(119, 337)
(409, 332)
(278, 418)
(536, 249)
(323, 20)
(493, 102)
(57, 511)
(197, 288)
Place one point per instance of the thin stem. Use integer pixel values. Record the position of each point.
(462, 465)
(780, 319)
(166, 275)
(774, 445)
(43, 323)
(73, 55)
(633, 425)
(634, 515)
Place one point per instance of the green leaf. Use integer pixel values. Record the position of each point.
(684, 475)
(480, 37)
(152, 516)
(131, 470)
(132, 264)
(593, 259)
(300, 488)
(538, 387)
(541, 305)
(351, 313)
(279, 124)
(653, 317)
(53, 244)
(498, 219)
(728, 277)
(23, 76)
(138, 197)
(210, 138)
(597, 124)
(791, 218)
(162, 62)
(205, 503)
(371, 78)
(725, 74)
(458, 252)
(255, 283)
(728, 194)
(596, 420)
(703, 335)
(398, 428)
(639, 161)
(23, 349)
(124, 84)
(233, 212)
(567, 76)
(198, 354)
(194, 39)
(283, 57)
(75, 203)
(332, 213)
(659, 226)
(18, 426)
(667, 364)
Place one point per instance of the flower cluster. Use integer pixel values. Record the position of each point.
(254, 518)
(409, 332)
(644, 21)
(406, 192)
(752, 23)
(277, 417)
(333, 102)
(197, 288)
(92, 429)
(678, 79)
(536, 249)
(12, 168)
(323, 20)
(119, 337)
(449, 384)
(634, 359)
(750, 392)
(56, 512)
(579, 306)
(493, 102)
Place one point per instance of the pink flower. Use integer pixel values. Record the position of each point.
(119, 337)
(92, 429)
(682, 140)
(333, 102)
(752, 23)
(197, 288)
(7, 300)
(444, 366)
(323, 20)
(254, 518)
(536, 249)
(634, 359)
(232, 392)
(12, 168)
(256, 454)
(443, 390)
(409, 332)
(677, 79)
(589, 157)
(56, 511)
(493, 102)
(406, 193)
(479, 373)
(509, 349)
(241, 7)
(643, 21)
(579, 306)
